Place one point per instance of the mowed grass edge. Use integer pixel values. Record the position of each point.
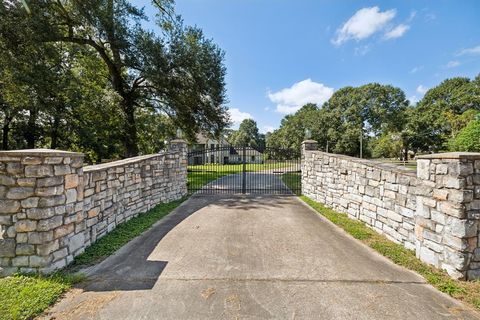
(465, 291)
(24, 296)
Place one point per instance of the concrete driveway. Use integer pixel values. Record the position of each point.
(252, 257)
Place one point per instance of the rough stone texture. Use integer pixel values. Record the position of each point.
(52, 208)
(117, 191)
(434, 212)
(449, 237)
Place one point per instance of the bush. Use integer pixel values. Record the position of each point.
(468, 139)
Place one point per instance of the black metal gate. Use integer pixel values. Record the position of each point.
(214, 169)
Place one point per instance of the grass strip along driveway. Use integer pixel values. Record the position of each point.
(25, 296)
(466, 291)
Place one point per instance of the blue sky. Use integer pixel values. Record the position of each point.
(281, 54)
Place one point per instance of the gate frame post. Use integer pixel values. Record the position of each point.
(244, 170)
(307, 145)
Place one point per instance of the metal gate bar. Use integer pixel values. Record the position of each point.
(214, 169)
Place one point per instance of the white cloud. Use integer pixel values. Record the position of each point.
(416, 69)
(364, 23)
(397, 32)
(430, 17)
(362, 50)
(412, 15)
(452, 64)
(414, 99)
(422, 90)
(289, 100)
(475, 51)
(238, 116)
(266, 129)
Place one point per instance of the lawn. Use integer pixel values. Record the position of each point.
(25, 296)
(200, 175)
(293, 181)
(466, 291)
(411, 164)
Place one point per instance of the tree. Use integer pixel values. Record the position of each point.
(179, 73)
(246, 135)
(388, 146)
(358, 114)
(292, 128)
(468, 139)
(438, 116)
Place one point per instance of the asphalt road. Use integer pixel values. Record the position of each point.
(252, 257)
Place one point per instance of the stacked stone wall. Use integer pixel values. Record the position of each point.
(434, 211)
(117, 191)
(52, 207)
(382, 196)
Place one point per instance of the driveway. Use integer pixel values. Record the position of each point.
(252, 257)
(267, 181)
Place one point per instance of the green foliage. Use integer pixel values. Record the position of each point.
(467, 291)
(350, 115)
(292, 128)
(86, 76)
(363, 112)
(381, 117)
(25, 296)
(246, 135)
(388, 146)
(443, 112)
(468, 139)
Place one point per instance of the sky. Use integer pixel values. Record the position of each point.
(283, 54)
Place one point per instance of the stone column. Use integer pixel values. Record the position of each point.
(41, 209)
(307, 166)
(309, 145)
(448, 212)
(179, 146)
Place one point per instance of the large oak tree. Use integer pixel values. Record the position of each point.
(176, 71)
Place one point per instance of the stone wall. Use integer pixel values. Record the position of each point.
(433, 211)
(52, 207)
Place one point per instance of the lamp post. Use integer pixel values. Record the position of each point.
(308, 134)
(179, 133)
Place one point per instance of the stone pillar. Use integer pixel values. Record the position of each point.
(307, 165)
(41, 209)
(179, 146)
(309, 145)
(448, 212)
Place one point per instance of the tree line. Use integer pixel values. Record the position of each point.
(376, 120)
(86, 75)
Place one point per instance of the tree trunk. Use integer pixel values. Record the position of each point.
(54, 132)
(5, 131)
(130, 134)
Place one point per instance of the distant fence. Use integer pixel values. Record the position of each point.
(434, 211)
(52, 207)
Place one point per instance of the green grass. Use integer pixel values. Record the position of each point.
(411, 164)
(234, 168)
(25, 296)
(466, 291)
(121, 235)
(293, 181)
(197, 179)
(200, 175)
